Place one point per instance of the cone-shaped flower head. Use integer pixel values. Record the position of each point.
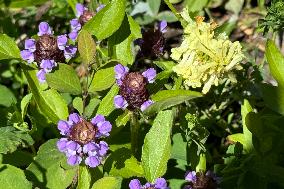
(82, 139)
(201, 181)
(160, 183)
(133, 93)
(205, 58)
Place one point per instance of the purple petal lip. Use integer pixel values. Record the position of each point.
(30, 44)
(64, 127)
(73, 35)
(100, 7)
(44, 29)
(74, 160)
(120, 71)
(92, 161)
(47, 65)
(74, 118)
(97, 119)
(61, 144)
(75, 24)
(104, 128)
(103, 148)
(80, 9)
(27, 55)
(135, 184)
(91, 146)
(62, 41)
(160, 183)
(41, 75)
(150, 75)
(146, 104)
(70, 51)
(120, 102)
(163, 26)
(190, 176)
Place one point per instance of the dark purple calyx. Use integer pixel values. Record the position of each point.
(204, 182)
(86, 16)
(47, 49)
(83, 132)
(133, 89)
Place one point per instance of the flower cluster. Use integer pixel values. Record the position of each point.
(83, 16)
(204, 58)
(133, 93)
(82, 139)
(201, 180)
(160, 183)
(152, 42)
(47, 50)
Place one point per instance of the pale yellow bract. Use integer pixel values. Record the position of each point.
(205, 59)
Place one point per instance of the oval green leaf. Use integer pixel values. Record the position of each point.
(86, 47)
(103, 79)
(108, 182)
(8, 48)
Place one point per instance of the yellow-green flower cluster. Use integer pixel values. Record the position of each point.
(203, 58)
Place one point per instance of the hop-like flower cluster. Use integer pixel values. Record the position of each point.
(133, 93)
(202, 181)
(47, 50)
(82, 139)
(152, 42)
(204, 58)
(160, 183)
(83, 16)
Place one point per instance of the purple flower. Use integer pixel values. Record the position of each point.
(27, 55)
(160, 183)
(44, 29)
(146, 104)
(135, 184)
(47, 65)
(120, 72)
(62, 41)
(80, 9)
(100, 7)
(30, 44)
(163, 26)
(73, 35)
(80, 139)
(190, 176)
(120, 102)
(75, 24)
(41, 75)
(150, 75)
(70, 51)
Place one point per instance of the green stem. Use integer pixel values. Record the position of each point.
(134, 129)
(182, 21)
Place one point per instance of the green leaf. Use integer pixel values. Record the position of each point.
(13, 178)
(123, 118)
(90, 108)
(107, 104)
(276, 62)
(157, 146)
(8, 48)
(44, 104)
(7, 98)
(25, 103)
(102, 80)
(78, 104)
(245, 109)
(167, 98)
(108, 182)
(196, 6)
(167, 16)
(107, 21)
(11, 139)
(24, 3)
(179, 147)
(84, 178)
(154, 6)
(86, 47)
(122, 163)
(49, 168)
(64, 79)
(273, 97)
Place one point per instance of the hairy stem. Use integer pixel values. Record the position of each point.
(182, 21)
(134, 129)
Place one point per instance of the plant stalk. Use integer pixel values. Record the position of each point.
(173, 9)
(134, 129)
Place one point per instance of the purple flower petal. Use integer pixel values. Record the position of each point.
(148, 185)
(75, 24)
(150, 74)
(92, 161)
(135, 184)
(27, 55)
(163, 26)
(190, 176)
(120, 102)
(61, 144)
(146, 104)
(73, 146)
(73, 35)
(74, 118)
(64, 127)
(44, 29)
(62, 41)
(160, 183)
(74, 160)
(80, 9)
(70, 51)
(100, 7)
(30, 44)
(91, 146)
(103, 148)
(41, 75)
(97, 119)
(120, 71)
(47, 65)
(104, 128)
